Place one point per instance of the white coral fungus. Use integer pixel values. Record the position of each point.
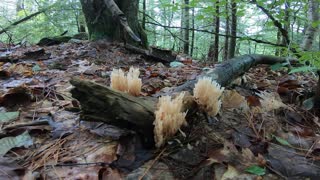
(119, 80)
(130, 83)
(169, 118)
(134, 82)
(207, 93)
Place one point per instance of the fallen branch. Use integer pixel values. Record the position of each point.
(153, 53)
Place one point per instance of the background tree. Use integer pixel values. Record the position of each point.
(186, 26)
(313, 18)
(227, 31)
(213, 54)
(105, 20)
(233, 40)
(255, 26)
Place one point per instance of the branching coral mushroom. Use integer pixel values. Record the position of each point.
(119, 80)
(134, 82)
(169, 118)
(207, 94)
(130, 83)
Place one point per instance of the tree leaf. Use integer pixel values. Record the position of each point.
(8, 116)
(302, 69)
(277, 66)
(8, 143)
(36, 68)
(256, 170)
(282, 141)
(308, 103)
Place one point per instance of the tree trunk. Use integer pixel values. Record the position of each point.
(192, 33)
(186, 26)
(217, 31)
(233, 39)
(227, 33)
(286, 26)
(313, 16)
(278, 49)
(144, 7)
(107, 22)
(100, 103)
(213, 53)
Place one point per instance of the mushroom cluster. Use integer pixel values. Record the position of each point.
(130, 83)
(169, 118)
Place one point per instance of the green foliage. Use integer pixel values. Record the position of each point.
(51, 23)
(8, 116)
(256, 170)
(303, 69)
(282, 141)
(253, 23)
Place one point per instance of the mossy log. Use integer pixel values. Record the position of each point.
(100, 103)
(228, 71)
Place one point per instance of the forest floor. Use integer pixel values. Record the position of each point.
(262, 131)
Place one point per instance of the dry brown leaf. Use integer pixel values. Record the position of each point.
(232, 99)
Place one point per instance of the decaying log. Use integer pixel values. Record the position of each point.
(154, 53)
(228, 71)
(100, 103)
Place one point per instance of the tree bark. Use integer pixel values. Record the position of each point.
(227, 31)
(100, 103)
(192, 33)
(233, 40)
(313, 16)
(186, 26)
(114, 20)
(217, 30)
(144, 8)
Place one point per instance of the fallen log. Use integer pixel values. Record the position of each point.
(154, 53)
(228, 71)
(100, 103)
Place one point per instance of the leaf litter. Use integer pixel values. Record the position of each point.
(264, 129)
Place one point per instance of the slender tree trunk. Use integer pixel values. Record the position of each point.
(233, 39)
(313, 16)
(278, 49)
(286, 26)
(192, 33)
(213, 54)
(181, 45)
(217, 31)
(144, 7)
(227, 33)
(186, 26)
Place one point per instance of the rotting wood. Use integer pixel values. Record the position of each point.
(228, 71)
(100, 103)
(162, 55)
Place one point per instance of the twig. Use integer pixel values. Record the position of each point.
(147, 170)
